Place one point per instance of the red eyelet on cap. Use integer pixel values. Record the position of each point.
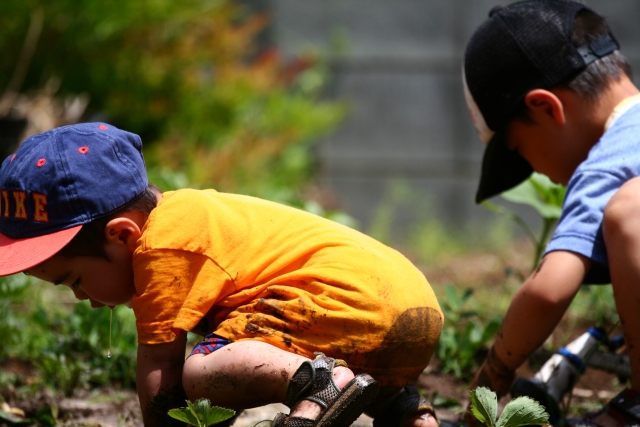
(41, 162)
(83, 150)
(103, 127)
(12, 157)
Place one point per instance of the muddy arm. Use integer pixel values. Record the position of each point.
(159, 381)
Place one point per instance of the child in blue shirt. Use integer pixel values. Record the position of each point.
(549, 91)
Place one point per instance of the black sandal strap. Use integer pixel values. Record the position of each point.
(314, 381)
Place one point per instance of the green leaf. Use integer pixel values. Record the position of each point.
(529, 193)
(194, 412)
(14, 420)
(523, 411)
(442, 402)
(550, 192)
(201, 406)
(184, 415)
(491, 328)
(216, 415)
(201, 414)
(484, 405)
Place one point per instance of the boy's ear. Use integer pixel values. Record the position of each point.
(545, 105)
(123, 231)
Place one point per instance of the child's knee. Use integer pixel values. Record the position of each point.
(190, 374)
(622, 213)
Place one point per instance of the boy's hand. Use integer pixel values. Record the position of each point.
(496, 376)
(159, 381)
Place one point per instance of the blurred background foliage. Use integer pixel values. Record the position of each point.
(187, 76)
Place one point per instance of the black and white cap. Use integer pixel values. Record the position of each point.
(521, 47)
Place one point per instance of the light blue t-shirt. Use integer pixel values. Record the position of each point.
(612, 161)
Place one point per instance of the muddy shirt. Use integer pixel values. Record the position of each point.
(612, 161)
(246, 268)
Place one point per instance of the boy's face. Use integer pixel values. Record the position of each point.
(101, 281)
(557, 134)
(539, 146)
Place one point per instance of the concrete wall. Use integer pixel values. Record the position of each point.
(409, 127)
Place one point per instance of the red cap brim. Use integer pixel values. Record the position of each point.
(21, 254)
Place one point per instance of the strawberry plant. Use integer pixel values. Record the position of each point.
(542, 195)
(521, 411)
(201, 414)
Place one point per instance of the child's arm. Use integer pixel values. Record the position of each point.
(533, 314)
(159, 380)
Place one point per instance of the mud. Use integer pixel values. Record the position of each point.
(119, 408)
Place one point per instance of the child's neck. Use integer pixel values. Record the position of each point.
(591, 117)
(617, 92)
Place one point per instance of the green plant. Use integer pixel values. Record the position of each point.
(72, 346)
(542, 195)
(68, 344)
(14, 292)
(439, 401)
(201, 414)
(521, 411)
(597, 304)
(464, 334)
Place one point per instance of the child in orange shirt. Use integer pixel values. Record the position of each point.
(268, 286)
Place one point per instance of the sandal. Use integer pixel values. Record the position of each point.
(408, 404)
(624, 408)
(313, 381)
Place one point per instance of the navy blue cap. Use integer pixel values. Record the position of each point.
(59, 180)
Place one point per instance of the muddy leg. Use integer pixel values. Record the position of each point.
(247, 374)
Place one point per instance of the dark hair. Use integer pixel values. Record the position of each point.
(91, 239)
(597, 76)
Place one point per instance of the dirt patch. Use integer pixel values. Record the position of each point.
(119, 408)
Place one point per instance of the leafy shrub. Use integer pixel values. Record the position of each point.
(13, 292)
(83, 338)
(187, 76)
(67, 346)
(464, 334)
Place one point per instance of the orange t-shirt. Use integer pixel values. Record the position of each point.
(246, 268)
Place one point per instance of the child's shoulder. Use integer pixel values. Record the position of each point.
(176, 217)
(182, 196)
(618, 150)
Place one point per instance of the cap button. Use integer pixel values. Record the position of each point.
(494, 10)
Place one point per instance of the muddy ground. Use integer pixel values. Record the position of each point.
(119, 408)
